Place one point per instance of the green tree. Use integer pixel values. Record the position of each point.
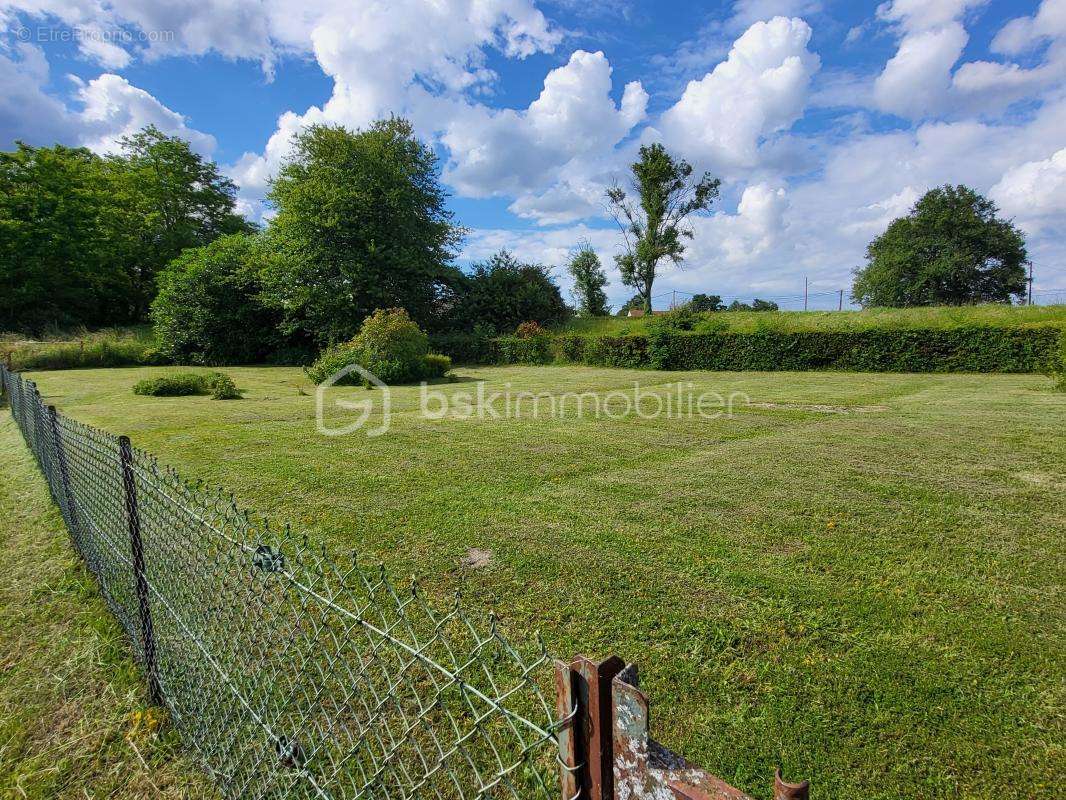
(589, 279)
(503, 292)
(63, 241)
(706, 302)
(210, 309)
(755, 305)
(362, 224)
(653, 228)
(176, 200)
(951, 249)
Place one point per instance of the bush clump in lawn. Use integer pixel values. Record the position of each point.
(182, 384)
(390, 345)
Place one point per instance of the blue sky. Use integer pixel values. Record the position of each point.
(824, 118)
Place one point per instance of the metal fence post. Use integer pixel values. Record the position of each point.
(137, 548)
(64, 478)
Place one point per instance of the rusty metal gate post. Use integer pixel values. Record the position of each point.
(606, 751)
(141, 580)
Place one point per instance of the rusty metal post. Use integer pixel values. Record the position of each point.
(790, 791)
(140, 579)
(567, 712)
(589, 749)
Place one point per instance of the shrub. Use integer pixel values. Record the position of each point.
(466, 348)
(974, 349)
(182, 384)
(177, 385)
(209, 308)
(436, 365)
(390, 345)
(1056, 366)
(503, 292)
(513, 350)
(527, 330)
(963, 349)
(222, 386)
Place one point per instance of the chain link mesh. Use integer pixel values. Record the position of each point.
(290, 674)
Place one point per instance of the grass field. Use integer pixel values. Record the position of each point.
(74, 720)
(858, 576)
(890, 318)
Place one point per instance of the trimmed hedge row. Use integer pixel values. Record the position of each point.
(968, 349)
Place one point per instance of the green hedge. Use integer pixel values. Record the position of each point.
(967, 349)
(465, 348)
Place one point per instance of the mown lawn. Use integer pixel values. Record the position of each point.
(858, 576)
(74, 719)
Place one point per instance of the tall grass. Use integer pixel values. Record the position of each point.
(886, 318)
(113, 347)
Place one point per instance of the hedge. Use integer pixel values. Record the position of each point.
(465, 348)
(966, 349)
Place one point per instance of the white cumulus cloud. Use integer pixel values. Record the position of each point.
(760, 88)
(1035, 193)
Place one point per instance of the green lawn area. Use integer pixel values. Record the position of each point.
(890, 318)
(72, 703)
(859, 576)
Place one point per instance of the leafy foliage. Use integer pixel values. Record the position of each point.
(706, 302)
(950, 250)
(64, 245)
(527, 330)
(1056, 366)
(503, 292)
(589, 279)
(653, 228)
(755, 305)
(82, 237)
(390, 345)
(210, 309)
(182, 384)
(684, 342)
(176, 199)
(362, 224)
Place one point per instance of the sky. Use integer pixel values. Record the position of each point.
(824, 119)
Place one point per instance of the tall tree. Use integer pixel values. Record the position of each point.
(176, 199)
(503, 292)
(951, 249)
(362, 224)
(589, 279)
(653, 228)
(63, 241)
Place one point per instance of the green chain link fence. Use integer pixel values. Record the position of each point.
(287, 673)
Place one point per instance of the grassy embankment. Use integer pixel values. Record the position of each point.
(889, 318)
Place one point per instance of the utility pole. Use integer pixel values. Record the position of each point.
(804, 292)
(1030, 283)
(673, 300)
(840, 305)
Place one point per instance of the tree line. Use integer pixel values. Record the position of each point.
(361, 223)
